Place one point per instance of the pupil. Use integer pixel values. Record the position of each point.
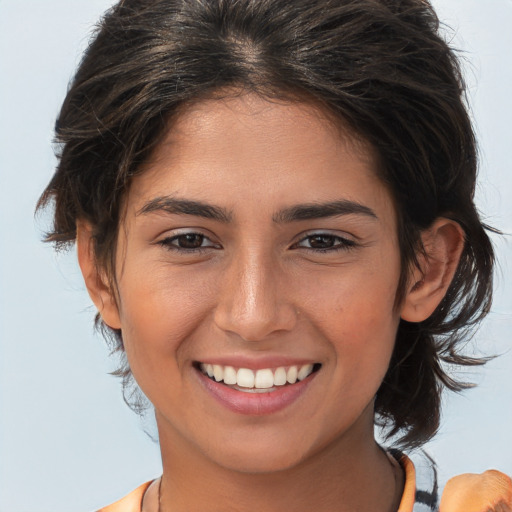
(190, 241)
(321, 241)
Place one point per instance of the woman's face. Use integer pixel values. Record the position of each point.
(257, 244)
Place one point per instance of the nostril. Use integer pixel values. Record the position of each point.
(256, 324)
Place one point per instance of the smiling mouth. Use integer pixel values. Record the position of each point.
(263, 380)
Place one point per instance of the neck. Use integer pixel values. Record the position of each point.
(352, 473)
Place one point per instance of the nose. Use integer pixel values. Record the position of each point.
(252, 299)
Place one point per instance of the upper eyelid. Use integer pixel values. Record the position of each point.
(167, 240)
(342, 242)
(343, 235)
(173, 233)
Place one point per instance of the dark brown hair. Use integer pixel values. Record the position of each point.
(380, 66)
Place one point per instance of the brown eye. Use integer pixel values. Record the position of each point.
(325, 242)
(189, 241)
(322, 241)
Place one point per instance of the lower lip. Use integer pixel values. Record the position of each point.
(255, 404)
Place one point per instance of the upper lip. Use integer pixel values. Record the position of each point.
(257, 363)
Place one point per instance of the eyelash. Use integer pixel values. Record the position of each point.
(168, 243)
(340, 243)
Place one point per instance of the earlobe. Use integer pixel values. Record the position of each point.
(443, 243)
(95, 279)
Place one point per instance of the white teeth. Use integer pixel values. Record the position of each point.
(291, 375)
(304, 371)
(218, 372)
(280, 377)
(259, 379)
(264, 379)
(245, 378)
(230, 375)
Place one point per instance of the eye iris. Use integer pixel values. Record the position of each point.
(321, 241)
(190, 241)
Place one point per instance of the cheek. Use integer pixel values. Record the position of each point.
(362, 339)
(356, 317)
(357, 300)
(158, 312)
(363, 335)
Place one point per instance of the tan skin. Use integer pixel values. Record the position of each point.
(259, 282)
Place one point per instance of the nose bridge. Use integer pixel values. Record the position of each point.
(252, 302)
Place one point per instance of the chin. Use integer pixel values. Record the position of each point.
(263, 452)
(260, 461)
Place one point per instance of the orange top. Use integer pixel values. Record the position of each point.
(490, 491)
(130, 503)
(409, 495)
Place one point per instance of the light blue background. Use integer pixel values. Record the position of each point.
(67, 441)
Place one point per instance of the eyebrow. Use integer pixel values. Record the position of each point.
(295, 213)
(323, 210)
(186, 207)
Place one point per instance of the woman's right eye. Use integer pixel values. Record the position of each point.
(188, 242)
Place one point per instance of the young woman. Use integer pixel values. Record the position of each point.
(273, 208)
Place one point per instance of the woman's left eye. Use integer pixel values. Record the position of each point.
(324, 242)
(188, 242)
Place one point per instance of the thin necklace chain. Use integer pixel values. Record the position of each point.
(159, 492)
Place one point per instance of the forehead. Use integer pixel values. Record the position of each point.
(245, 147)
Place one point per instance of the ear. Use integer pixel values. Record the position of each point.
(96, 280)
(443, 243)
